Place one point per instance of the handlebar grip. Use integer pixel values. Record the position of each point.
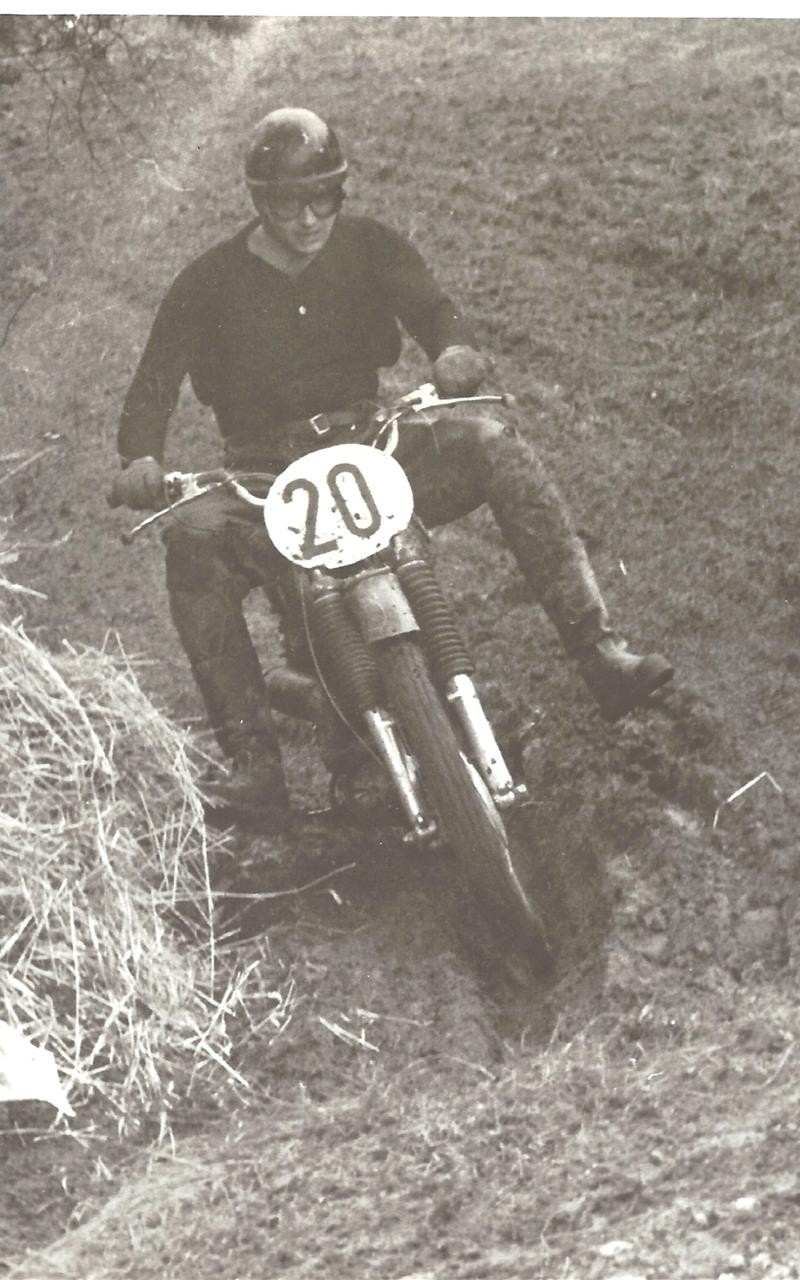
(126, 539)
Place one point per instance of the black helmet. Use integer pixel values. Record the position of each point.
(293, 147)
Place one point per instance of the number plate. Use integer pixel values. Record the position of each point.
(337, 506)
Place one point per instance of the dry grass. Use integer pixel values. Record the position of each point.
(108, 953)
(9, 555)
(611, 200)
(536, 1172)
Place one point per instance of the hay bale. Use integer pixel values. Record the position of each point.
(107, 945)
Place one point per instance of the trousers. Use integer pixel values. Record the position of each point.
(217, 549)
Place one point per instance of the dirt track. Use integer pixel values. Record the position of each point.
(617, 202)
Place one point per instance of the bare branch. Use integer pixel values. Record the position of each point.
(69, 56)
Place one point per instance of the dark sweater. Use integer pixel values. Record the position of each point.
(263, 348)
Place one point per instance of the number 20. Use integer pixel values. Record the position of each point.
(311, 548)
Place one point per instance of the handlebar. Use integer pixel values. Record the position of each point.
(426, 397)
(182, 487)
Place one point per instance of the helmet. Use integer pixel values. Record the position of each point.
(293, 147)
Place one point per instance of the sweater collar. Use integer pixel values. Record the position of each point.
(257, 243)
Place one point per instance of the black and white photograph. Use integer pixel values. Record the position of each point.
(399, 647)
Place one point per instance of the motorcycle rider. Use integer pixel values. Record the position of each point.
(283, 329)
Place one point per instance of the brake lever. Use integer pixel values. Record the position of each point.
(434, 401)
(427, 397)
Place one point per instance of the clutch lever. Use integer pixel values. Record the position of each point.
(128, 537)
(190, 487)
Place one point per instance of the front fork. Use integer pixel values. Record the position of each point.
(463, 698)
(379, 604)
(482, 747)
(451, 664)
(400, 767)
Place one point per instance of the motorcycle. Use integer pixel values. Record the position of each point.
(385, 667)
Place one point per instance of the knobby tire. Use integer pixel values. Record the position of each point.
(467, 819)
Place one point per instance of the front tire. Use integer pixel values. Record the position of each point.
(468, 818)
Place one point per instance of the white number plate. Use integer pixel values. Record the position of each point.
(338, 506)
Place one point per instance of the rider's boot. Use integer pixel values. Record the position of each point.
(537, 528)
(206, 593)
(253, 795)
(617, 679)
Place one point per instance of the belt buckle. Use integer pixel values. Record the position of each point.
(320, 424)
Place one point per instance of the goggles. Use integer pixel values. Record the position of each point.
(285, 206)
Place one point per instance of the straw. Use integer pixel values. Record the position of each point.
(108, 953)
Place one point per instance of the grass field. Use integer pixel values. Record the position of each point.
(615, 202)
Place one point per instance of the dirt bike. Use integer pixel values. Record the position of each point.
(387, 661)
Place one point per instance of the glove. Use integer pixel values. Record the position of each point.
(139, 486)
(459, 371)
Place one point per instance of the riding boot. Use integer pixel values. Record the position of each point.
(537, 528)
(255, 792)
(229, 677)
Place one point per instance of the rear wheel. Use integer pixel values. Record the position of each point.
(467, 816)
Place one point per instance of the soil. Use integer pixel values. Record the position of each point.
(616, 203)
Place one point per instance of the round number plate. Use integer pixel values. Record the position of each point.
(338, 506)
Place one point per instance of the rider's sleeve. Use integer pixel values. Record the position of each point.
(170, 353)
(427, 314)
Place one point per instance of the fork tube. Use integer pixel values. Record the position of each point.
(384, 736)
(463, 696)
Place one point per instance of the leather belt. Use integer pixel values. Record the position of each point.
(323, 423)
(284, 443)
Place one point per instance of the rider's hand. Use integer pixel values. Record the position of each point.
(140, 486)
(459, 371)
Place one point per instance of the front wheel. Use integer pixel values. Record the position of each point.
(468, 818)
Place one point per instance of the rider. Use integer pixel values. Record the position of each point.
(282, 330)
